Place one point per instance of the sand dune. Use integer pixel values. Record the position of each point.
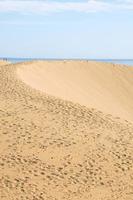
(107, 87)
(53, 149)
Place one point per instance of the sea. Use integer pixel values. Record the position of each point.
(128, 62)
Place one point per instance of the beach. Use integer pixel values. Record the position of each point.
(66, 131)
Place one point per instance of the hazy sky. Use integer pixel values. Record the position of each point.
(66, 28)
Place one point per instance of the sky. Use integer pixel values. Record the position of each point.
(92, 29)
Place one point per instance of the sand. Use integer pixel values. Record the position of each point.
(3, 62)
(53, 145)
(106, 87)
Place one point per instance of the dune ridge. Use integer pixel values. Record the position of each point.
(106, 87)
(58, 150)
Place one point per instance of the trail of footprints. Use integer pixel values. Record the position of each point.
(53, 150)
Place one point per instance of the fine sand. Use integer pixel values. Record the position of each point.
(66, 131)
(106, 87)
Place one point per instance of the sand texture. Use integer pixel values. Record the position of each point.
(107, 87)
(73, 139)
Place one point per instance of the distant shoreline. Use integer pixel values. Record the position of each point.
(115, 61)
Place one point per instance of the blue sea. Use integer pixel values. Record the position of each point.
(116, 61)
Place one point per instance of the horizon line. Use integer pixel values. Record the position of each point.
(52, 58)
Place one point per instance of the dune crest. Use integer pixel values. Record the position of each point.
(106, 87)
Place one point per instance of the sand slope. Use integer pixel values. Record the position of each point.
(107, 87)
(51, 149)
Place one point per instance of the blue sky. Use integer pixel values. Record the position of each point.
(66, 28)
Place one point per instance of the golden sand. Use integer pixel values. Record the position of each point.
(106, 87)
(60, 148)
